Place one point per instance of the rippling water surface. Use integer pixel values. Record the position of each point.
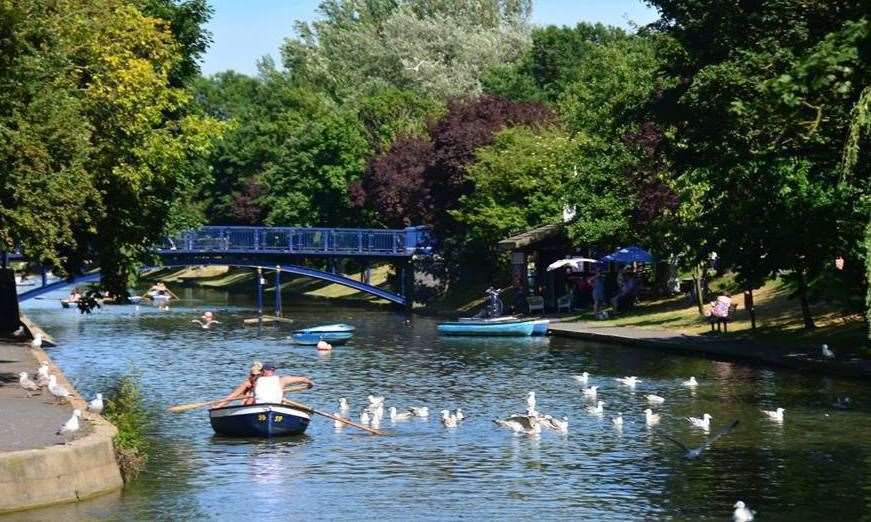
(816, 466)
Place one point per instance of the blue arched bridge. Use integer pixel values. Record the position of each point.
(284, 249)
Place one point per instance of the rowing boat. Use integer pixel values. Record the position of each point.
(507, 328)
(258, 420)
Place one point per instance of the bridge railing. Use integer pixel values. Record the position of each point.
(294, 240)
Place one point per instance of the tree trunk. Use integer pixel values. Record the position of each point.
(868, 281)
(697, 284)
(751, 310)
(115, 276)
(805, 306)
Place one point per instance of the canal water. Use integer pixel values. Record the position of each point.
(815, 466)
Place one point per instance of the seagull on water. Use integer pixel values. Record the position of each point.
(56, 389)
(459, 414)
(343, 405)
(560, 425)
(96, 405)
(521, 424)
(650, 418)
(419, 411)
(703, 423)
(27, 384)
(827, 353)
(775, 415)
(742, 513)
(71, 425)
(396, 416)
(448, 420)
(530, 404)
(582, 378)
(628, 381)
(654, 399)
(337, 423)
(597, 409)
(37, 341)
(618, 421)
(591, 392)
(692, 383)
(374, 401)
(692, 453)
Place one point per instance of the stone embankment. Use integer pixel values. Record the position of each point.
(38, 467)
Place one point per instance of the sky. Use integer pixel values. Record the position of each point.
(245, 30)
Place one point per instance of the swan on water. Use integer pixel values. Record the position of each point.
(628, 381)
(650, 418)
(591, 392)
(654, 399)
(597, 409)
(395, 416)
(582, 378)
(775, 415)
(96, 405)
(692, 383)
(742, 513)
(703, 423)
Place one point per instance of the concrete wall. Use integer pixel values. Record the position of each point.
(83, 468)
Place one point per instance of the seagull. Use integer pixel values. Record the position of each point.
(775, 415)
(448, 420)
(56, 389)
(71, 425)
(650, 418)
(37, 341)
(42, 375)
(96, 405)
(521, 424)
(19, 332)
(703, 423)
(459, 414)
(628, 381)
(337, 423)
(560, 425)
(618, 421)
(590, 392)
(597, 409)
(654, 399)
(530, 403)
(419, 411)
(827, 353)
(343, 405)
(582, 378)
(742, 513)
(692, 453)
(692, 383)
(394, 416)
(374, 401)
(27, 384)
(364, 417)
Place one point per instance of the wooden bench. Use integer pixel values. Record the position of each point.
(723, 321)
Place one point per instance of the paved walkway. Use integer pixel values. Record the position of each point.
(724, 347)
(26, 422)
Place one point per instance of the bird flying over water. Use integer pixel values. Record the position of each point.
(692, 453)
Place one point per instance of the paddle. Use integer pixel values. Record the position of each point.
(308, 409)
(181, 408)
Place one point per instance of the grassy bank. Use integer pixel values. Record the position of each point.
(125, 409)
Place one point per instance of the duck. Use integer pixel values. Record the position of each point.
(628, 381)
(654, 399)
(56, 389)
(692, 382)
(396, 416)
(827, 352)
(448, 420)
(591, 392)
(582, 378)
(775, 415)
(742, 513)
(650, 418)
(703, 423)
(96, 405)
(597, 409)
(617, 421)
(521, 424)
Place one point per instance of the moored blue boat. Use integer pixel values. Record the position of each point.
(258, 420)
(540, 326)
(515, 328)
(331, 333)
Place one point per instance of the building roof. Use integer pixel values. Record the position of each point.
(531, 237)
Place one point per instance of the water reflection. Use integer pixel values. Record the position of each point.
(813, 465)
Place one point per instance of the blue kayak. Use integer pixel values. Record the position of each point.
(511, 328)
(331, 333)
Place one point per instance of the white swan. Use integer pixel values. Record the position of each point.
(654, 399)
(775, 415)
(591, 392)
(96, 405)
(395, 416)
(692, 383)
(582, 378)
(597, 409)
(742, 513)
(650, 418)
(703, 423)
(827, 353)
(628, 381)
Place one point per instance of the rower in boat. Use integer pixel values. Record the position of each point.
(263, 385)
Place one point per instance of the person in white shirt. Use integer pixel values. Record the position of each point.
(264, 386)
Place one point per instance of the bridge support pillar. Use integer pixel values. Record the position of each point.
(9, 319)
(260, 282)
(277, 291)
(405, 271)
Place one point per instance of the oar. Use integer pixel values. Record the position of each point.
(331, 416)
(181, 408)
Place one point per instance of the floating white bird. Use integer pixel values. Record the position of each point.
(703, 423)
(71, 425)
(597, 409)
(374, 401)
(560, 425)
(530, 403)
(582, 378)
(364, 417)
(343, 404)
(37, 341)
(650, 418)
(395, 416)
(591, 392)
(692, 383)
(419, 411)
(96, 405)
(827, 353)
(459, 414)
(448, 420)
(617, 421)
(775, 415)
(336, 423)
(742, 513)
(628, 381)
(377, 414)
(27, 384)
(654, 399)
(521, 424)
(56, 389)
